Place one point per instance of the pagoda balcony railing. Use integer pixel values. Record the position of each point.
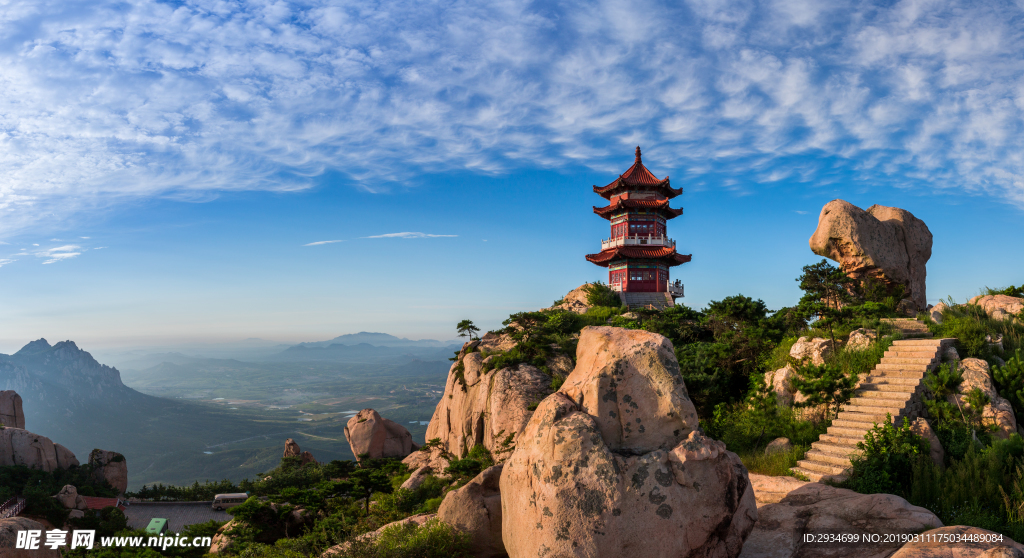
(638, 241)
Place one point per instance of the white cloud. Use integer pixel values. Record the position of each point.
(319, 242)
(5, 262)
(412, 235)
(60, 253)
(112, 101)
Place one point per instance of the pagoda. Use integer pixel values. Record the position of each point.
(638, 253)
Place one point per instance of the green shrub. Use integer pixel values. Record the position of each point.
(825, 386)
(434, 539)
(1010, 381)
(886, 460)
(599, 294)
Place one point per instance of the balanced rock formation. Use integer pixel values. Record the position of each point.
(374, 436)
(476, 509)
(999, 411)
(885, 244)
(971, 542)
(291, 449)
(613, 463)
(815, 349)
(815, 508)
(488, 408)
(999, 307)
(11, 414)
(111, 467)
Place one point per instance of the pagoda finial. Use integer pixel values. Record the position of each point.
(638, 154)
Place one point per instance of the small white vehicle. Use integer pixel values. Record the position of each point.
(225, 501)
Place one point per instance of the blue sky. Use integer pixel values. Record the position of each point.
(165, 166)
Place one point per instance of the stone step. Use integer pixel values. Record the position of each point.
(853, 423)
(868, 418)
(877, 407)
(842, 440)
(894, 397)
(847, 432)
(882, 382)
(909, 360)
(909, 353)
(915, 375)
(831, 450)
(822, 468)
(902, 367)
(900, 343)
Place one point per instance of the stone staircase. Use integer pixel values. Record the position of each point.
(893, 387)
(658, 301)
(909, 328)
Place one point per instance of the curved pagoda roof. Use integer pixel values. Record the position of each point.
(661, 206)
(638, 178)
(669, 256)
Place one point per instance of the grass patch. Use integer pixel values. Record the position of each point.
(778, 464)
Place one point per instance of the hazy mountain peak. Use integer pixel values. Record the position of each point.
(37, 346)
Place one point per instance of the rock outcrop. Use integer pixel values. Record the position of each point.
(884, 244)
(476, 509)
(999, 307)
(922, 428)
(67, 496)
(780, 381)
(488, 408)
(374, 436)
(417, 520)
(65, 458)
(935, 312)
(986, 544)
(999, 411)
(575, 301)
(291, 448)
(417, 477)
(779, 445)
(861, 339)
(11, 414)
(436, 458)
(111, 467)
(815, 350)
(613, 463)
(817, 508)
(21, 447)
(9, 528)
(771, 490)
(221, 542)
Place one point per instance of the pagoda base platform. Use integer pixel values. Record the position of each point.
(658, 301)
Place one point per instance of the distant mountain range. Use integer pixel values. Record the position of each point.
(378, 340)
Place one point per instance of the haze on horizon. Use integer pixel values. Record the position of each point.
(186, 172)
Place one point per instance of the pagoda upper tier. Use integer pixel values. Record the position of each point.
(621, 204)
(636, 179)
(662, 254)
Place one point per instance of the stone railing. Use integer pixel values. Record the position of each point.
(637, 241)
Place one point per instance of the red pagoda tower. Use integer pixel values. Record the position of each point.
(639, 253)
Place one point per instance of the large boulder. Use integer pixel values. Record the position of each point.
(65, 458)
(9, 528)
(21, 447)
(222, 540)
(614, 463)
(922, 428)
(417, 478)
(935, 312)
(999, 411)
(814, 349)
(884, 244)
(971, 542)
(999, 307)
(374, 436)
(476, 509)
(435, 457)
(861, 339)
(780, 381)
(111, 467)
(816, 508)
(11, 414)
(68, 496)
(291, 448)
(486, 407)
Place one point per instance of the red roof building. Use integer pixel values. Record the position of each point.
(638, 253)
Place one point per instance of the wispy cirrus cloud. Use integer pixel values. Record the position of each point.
(60, 253)
(113, 101)
(319, 242)
(411, 235)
